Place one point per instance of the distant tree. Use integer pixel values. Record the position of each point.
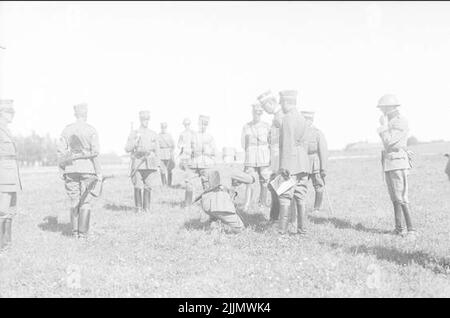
(36, 150)
(412, 141)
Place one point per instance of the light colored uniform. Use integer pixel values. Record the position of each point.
(185, 142)
(143, 144)
(166, 148)
(204, 150)
(317, 155)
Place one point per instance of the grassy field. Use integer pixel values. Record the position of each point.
(173, 252)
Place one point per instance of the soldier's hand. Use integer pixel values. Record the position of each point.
(99, 176)
(323, 174)
(383, 120)
(285, 174)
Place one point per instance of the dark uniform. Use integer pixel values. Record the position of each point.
(395, 160)
(79, 142)
(9, 173)
(318, 158)
(143, 145)
(218, 199)
(166, 147)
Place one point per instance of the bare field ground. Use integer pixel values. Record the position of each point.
(173, 252)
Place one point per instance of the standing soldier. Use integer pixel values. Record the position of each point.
(9, 173)
(318, 158)
(204, 154)
(255, 141)
(143, 145)
(294, 163)
(78, 151)
(393, 132)
(185, 144)
(166, 147)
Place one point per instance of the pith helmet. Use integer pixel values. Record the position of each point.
(80, 108)
(186, 121)
(308, 114)
(144, 114)
(267, 96)
(388, 100)
(203, 119)
(6, 104)
(289, 96)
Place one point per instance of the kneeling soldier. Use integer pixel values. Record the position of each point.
(218, 200)
(9, 173)
(78, 149)
(143, 145)
(395, 159)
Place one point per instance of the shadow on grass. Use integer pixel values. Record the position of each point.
(436, 264)
(197, 224)
(343, 224)
(118, 207)
(179, 204)
(51, 225)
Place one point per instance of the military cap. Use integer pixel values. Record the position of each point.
(266, 96)
(289, 96)
(144, 114)
(6, 104)
(388, 100)
(164, 125)
(308, 114)
(80, 108)
(186, 121)
(257, 107)
(204, 119)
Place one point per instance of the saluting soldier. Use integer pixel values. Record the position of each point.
(393, 132)
(9, 173)
(185, 144)
(204, 156)
(294, 163)
(78, 150)
(143, 146)
(218, 198)
(318, 158)
(166, 146)
(255, 141)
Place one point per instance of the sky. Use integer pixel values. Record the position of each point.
(183, 59)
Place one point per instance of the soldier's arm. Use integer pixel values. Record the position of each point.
(244, 137)
(95, 150)
(323, 151)
(392, 135)
(157, 150)
(278, 118)
(239, 176)
(131, 142)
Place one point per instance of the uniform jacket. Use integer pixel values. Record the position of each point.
(394, 137)
(143, 145)
(204, 149)
(255, 141)
(274, 142)
(293, 147)
(9, 171)
(166, 146)
(317, 149)
(185, 144)
(80, 138)
(222, 181)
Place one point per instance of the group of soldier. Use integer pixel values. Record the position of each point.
(281, 157)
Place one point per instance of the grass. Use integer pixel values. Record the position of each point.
(174, 252)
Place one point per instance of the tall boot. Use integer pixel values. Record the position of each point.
(188, 198)
(248, 197)
(163, 179)
(293, 215)
(406, 212)
(8, 230)
(263, 195)
(2, 233)
(74, 216)
(83, 221)
(398, 218)
(284, 215)
(147, 199)
(274, 206)
(301, 217)
(169, 178)
(318, 200)
(138, 199)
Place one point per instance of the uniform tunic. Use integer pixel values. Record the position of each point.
(166, 147)
(204, 149)
(395, 160)
(185, 144)
(317, 155)
(143, 144)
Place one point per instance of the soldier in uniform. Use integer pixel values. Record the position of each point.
(78, 149)
(294, 163)
(393, 132)
(166, 147)
(318, 158)
(255, 142)
(9, 173)
(204, 154)
(218, 199)
(185, 144)
(143, 146)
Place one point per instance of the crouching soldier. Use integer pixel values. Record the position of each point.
(395, 160)
(143, 145)
(218, 199)
(78, 149)
(9, 173)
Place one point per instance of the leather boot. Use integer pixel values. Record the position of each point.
(188, 198)
(169, 178)
(248, 198)
(318, 200)
(407, 214)
(301, 217)
(398, 218)
(2, 233)
(147, 199)
(74, 216)
(8, 230)
(138, 199)
(274, 206)
(164, 179)
(284, 215)
(263, 195)
(293, 216)
(83, 221)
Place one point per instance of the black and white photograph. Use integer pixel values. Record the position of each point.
(224, 152)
